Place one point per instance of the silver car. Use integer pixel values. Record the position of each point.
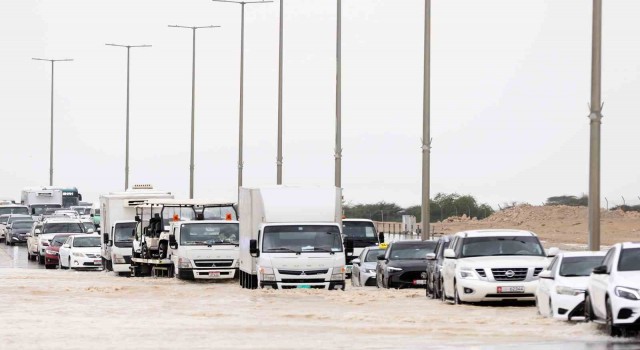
(364, 267)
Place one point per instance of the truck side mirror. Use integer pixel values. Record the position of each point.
(381, 237)
(253, 248)
(172, 242)
(91, 215)
(105, 238)
(348, 247)
(138, 218)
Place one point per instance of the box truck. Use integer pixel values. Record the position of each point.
(291, 237)
(118, 211)
(38, 199)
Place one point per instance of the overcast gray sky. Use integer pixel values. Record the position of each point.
(510, 88)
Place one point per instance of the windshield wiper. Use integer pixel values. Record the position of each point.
(316, 249)
(282, 249)
(574, 275)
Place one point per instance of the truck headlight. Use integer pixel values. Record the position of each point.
(118, 259)
(468, 274)
(628, 293)
(184, 263)
(564, 290)
(78, 254)
(338, 273)
(267, 274)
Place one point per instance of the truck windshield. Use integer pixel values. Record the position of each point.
(4, 218)
(301, 239)
(59, 227)
(14, 210)
(123, 235)
(208, 233)
(362, 233)
(501, 245)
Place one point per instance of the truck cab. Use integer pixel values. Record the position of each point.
(358, 234)
(203, 249)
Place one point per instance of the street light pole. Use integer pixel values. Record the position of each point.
(279, 157)
(51, 128)
(338, 155)
(595, 118)
(126, 164)
(426, 127)
(241, 116)
(193, 102)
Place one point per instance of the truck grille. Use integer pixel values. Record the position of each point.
(213, 263)
(301, 272)
(519, 274)
(299, 280)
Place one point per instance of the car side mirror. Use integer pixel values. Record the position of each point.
(66, 246)
(253, 248)
(553, 252)
(381, 257)
(449, 254)
(355, 261)
(431, 256)
(600, 270)
(546, 275)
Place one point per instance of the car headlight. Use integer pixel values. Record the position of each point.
(468, 274)
(44, 242)
(184, 263)
(564, 290)
(393, 269)
(51, 252)
(628, 293)
(371, 270)
(78, 254)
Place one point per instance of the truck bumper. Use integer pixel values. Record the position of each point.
(207, 274)
(120, 267)
(333, 285)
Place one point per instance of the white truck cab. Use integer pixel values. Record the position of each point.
(358, 234)
(291, 237)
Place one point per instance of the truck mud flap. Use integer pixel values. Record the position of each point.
(248, 281)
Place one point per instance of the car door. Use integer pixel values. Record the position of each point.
(449, 268)
(355, 270)
(31, 241)
(64, 251)
(382, 265)
(545, 285)
(598, 286)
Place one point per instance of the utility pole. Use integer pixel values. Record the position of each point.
(338, 151)
(241, 117)
(426, 127)
(279, 157)
(193, 102)
(595, 118)
(51, 128)
(126, 164)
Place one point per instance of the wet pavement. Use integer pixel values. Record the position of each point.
(16, 257)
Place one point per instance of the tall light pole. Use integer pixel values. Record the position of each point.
(338, 151)
(241, 117)
(126, 164)
(595, 118)
(193, 101)
(426, 127)
(279, 158)
(51, 138)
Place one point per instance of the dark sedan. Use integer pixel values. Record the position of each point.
(17, 232)
(434, 267)
(404, 264)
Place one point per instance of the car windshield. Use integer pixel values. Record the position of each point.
(86, 242)
(58, 241)
(577, 266)
(22, 224)
(55, 227)
(3, 219)
(302, 238)
(88, 225)
(414, 251)
(14, 210)
(372, 255)
(219, 213)
(360, 230)
(208, 233)
(501, 245)
(19, 218)
(629, 260)
(123, 235)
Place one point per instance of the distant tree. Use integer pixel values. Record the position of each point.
(569, 200)
(627, 207)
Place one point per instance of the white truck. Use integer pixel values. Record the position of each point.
(118, 211)
(358, 234)
(38, 199)
(190, 239)
(290, 237)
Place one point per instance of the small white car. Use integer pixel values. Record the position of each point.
(80, 252)
(364, 267)
(613, 290)
(561, 287)
(493, 265)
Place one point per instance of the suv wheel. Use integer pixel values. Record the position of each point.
(588, 310)
(612, 330)
(456, 297)
(443, 296)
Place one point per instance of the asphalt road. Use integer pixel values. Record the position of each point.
(16, 257)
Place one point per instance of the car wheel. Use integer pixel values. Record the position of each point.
(588, 310)
(69, 265)
(443, 296)
(49, 266)
(40, 259)
(456, 297)
(378, 282)
(550, 308)
(435, 293)
(612, 330)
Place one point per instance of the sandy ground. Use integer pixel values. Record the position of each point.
(44, 309)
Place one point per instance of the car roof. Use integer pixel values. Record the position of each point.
(358, 220)
(581, 253)
(627, 245)
(61, 219)
(495, 233)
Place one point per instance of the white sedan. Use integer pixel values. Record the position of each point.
(364, 267)
(561, 287)
(80, 252)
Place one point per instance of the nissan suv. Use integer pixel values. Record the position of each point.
(493, 265)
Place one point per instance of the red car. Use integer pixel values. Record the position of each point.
(51, 252)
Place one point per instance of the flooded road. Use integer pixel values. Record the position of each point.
(16, 257)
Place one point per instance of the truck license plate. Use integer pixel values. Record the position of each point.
(214, 274)
(511, 289)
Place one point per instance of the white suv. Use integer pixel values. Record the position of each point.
(44, 232)
(613, 291)
(493, 265)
